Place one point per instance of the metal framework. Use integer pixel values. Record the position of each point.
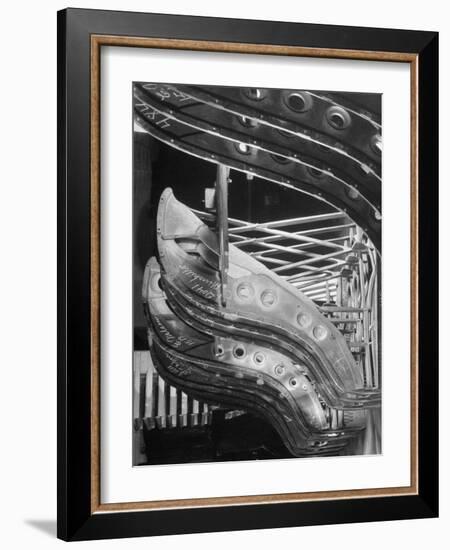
(316, 143)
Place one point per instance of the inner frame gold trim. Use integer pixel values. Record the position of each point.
(97, 41)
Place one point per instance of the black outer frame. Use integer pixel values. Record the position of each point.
(75, 521)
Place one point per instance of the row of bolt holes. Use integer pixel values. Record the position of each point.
(259, 359)
(317, 173)
(245, 292)
(338, 117)
(245, 149)
(353, 194)
(268, 298)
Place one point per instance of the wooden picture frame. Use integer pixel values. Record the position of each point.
(81, 35)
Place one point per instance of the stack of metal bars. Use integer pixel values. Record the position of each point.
(159, 405)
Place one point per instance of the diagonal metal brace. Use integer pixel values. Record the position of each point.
(222, 226)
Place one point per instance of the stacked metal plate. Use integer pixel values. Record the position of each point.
(266, 348)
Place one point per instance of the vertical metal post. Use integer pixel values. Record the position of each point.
(222, 226)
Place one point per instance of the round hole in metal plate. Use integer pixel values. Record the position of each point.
(280, 159)
(352, 193)
(248, 122)
(268, 298)
(303, 319)
(255, 94)
(259, 358)
(320, 332)
(299, 102)
(316, 172)
(245, 291)
(279, 370)
(243, 148)
(338, 117)
(239, 352)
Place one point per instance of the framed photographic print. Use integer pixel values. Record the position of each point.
(247, 249)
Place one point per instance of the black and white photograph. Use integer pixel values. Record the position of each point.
(257, 294)
(222, 289)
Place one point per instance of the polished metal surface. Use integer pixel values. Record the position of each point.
(266, 348)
